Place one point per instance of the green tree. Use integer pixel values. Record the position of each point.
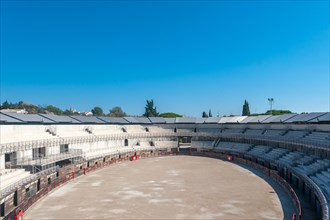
(98, 111)
(278, 112)
(5, 105)
(170, 115)
(210, 113)
(246, 109)
(117, 112)
(204, 115)
(150, 110)
(53, 109)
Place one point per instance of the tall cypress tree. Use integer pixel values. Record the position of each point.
(150, 110)
(210, 113)
(246, 109)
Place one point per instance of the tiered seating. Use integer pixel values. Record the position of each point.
(159, 130)
(254, 132)
(96, 153)
(71, 131)
(125, 149)
(313, 168)
(165, 144)
(318, 136)
(291, 157)
(133, 129)
(323, 182)
(295, 134)
(274, 133)
(259, 150)
(232, 131)
(307, 159)
(275, 153)
(33, 135)
(107, 130)
(238, 147)
(11, 176)
(208, 130)
(144, 145)
(202, 144)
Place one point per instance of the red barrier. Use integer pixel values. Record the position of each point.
(134, 157)
(19, 216)
(84, 170)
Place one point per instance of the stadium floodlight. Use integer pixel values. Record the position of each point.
(271, 100)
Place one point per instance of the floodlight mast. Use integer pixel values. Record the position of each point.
(271, 100)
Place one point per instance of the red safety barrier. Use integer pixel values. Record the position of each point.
(134, 157)
(230, 157)
(19, 216)
(294, 217)
(72, 175)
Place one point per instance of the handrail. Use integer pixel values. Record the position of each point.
(9, 189)
(13, 146)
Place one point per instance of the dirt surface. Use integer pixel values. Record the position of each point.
(179, 187)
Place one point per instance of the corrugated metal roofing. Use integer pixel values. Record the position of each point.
(157, 120)
(143, 120)
(59, 118)
(32, 118)
(279, 118)
(212, 120)
(322, 118)
(184, 120)
(7, 119)
(232, 119)
(169, 120)
(255, 119)
(113, 120)
(132, 120)
(305, 117)
(87, 119)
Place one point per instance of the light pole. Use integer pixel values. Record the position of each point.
(271, 100)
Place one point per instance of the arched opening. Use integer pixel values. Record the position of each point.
(195, 130)
(147, 129)
(174, 130)
(126, 143)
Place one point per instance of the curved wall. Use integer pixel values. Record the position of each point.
(92, 146)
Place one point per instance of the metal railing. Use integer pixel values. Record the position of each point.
(51, 158)
(9, 189)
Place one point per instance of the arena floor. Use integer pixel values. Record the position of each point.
(179, 187)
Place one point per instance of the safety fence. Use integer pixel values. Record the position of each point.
(72, 174)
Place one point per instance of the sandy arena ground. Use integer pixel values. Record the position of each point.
(179, 187)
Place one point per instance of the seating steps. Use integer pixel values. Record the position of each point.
(253, 132)
(295, 134)
(276, 153)
(274, 133)
(259, 150)
(313, 168)
(232, 131)
(291, 157)
(238, 147)
(11, 177)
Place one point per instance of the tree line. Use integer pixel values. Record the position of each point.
(117, 111)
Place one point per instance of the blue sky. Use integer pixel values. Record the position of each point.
(188, 56)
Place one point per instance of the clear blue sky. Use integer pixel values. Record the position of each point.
(189, 56)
